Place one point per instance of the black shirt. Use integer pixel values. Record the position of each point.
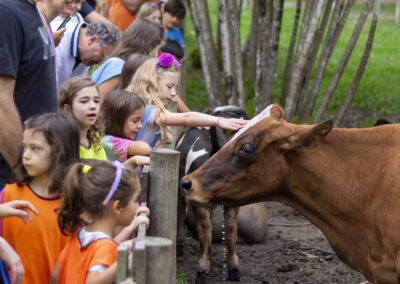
(26, 54)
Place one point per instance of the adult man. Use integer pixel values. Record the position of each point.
(27, 76)
(85, 45)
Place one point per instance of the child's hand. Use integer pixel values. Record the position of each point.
(12, 261)
(143, 209)
(137, 161)
(139, 220)
(231, 123)
(17, 208)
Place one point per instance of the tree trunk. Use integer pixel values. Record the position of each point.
(237, 53)
(343, 61)
(226, 49)
(201, 23)
(272, 54)
(301, 60)
(368, 47)
(289, 57)
(335, 28)
(313, 55)
(260, 55)
(253, 42)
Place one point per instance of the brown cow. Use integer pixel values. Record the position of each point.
(346, 183)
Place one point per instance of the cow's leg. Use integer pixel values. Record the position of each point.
(230, 241)
(180, 231)
(204, 235)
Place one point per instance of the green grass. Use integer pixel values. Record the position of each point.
(379, 86)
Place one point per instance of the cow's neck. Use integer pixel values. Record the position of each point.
(334, 183)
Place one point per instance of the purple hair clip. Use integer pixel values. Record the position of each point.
(166, 60)
(117, 179)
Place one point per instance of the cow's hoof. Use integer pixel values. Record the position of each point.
(234, 274)
(179, 251)
(202, 277)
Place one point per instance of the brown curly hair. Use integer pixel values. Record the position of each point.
(66, 96)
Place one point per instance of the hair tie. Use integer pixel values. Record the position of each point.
(86, 169)
(166, 60)
(117, 179)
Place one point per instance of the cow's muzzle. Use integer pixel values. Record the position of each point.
(186, 186)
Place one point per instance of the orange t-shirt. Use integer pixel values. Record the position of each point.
(75, 259)
(119, 15)
(38, 243)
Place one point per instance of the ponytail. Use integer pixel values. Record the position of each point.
(74, 203)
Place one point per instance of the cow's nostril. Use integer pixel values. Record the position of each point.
(186, 185)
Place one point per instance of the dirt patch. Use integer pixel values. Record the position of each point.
(295, 251)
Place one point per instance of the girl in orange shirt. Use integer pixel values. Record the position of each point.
(50, 145)
(108, 193)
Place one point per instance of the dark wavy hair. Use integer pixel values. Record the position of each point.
(117, 106)
(62, 134)
(142, 36)
(85, 192)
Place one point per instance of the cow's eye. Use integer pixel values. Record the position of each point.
(247, 150)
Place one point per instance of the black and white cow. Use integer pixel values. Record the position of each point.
(250, 222)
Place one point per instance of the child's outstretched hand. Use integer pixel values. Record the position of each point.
(231, 123)
(17, 208)
(137, 161)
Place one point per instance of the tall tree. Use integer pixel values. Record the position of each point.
(364, 60)
(343, 62)
(304, 49)
(201, 21)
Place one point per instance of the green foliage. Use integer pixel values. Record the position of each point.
(181, 277)
(379, 86)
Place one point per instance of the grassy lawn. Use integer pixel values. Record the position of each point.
(379, 85)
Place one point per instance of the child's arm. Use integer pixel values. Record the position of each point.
(55, 275)
(17, 208)
(12, 261)
(181, 107)
(126, 232)
(140, 148)
(105, 277)
(107, 86)
(200, 119)
(137, 161)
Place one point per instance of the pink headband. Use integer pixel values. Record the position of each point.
(166, 60)
(117, 179)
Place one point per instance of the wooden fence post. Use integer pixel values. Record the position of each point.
(157, 262)
(123, 262)
(163, 198)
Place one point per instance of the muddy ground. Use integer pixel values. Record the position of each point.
(294, 251)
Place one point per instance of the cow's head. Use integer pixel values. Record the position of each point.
(253, 165)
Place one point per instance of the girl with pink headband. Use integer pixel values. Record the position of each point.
(108, 193)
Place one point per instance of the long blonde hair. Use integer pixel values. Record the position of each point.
(145, 84)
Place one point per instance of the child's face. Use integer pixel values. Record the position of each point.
(36, 156)
(155, 16)
(133, 124)
(170, 21)
(167, 85)
(86, 106)
(129, 212)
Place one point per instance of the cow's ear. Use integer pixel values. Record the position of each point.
(308, 136)
(277, 112)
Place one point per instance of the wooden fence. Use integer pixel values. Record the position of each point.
(153, 256)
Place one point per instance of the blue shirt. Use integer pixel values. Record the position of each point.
(175, 34)
(112, 67)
